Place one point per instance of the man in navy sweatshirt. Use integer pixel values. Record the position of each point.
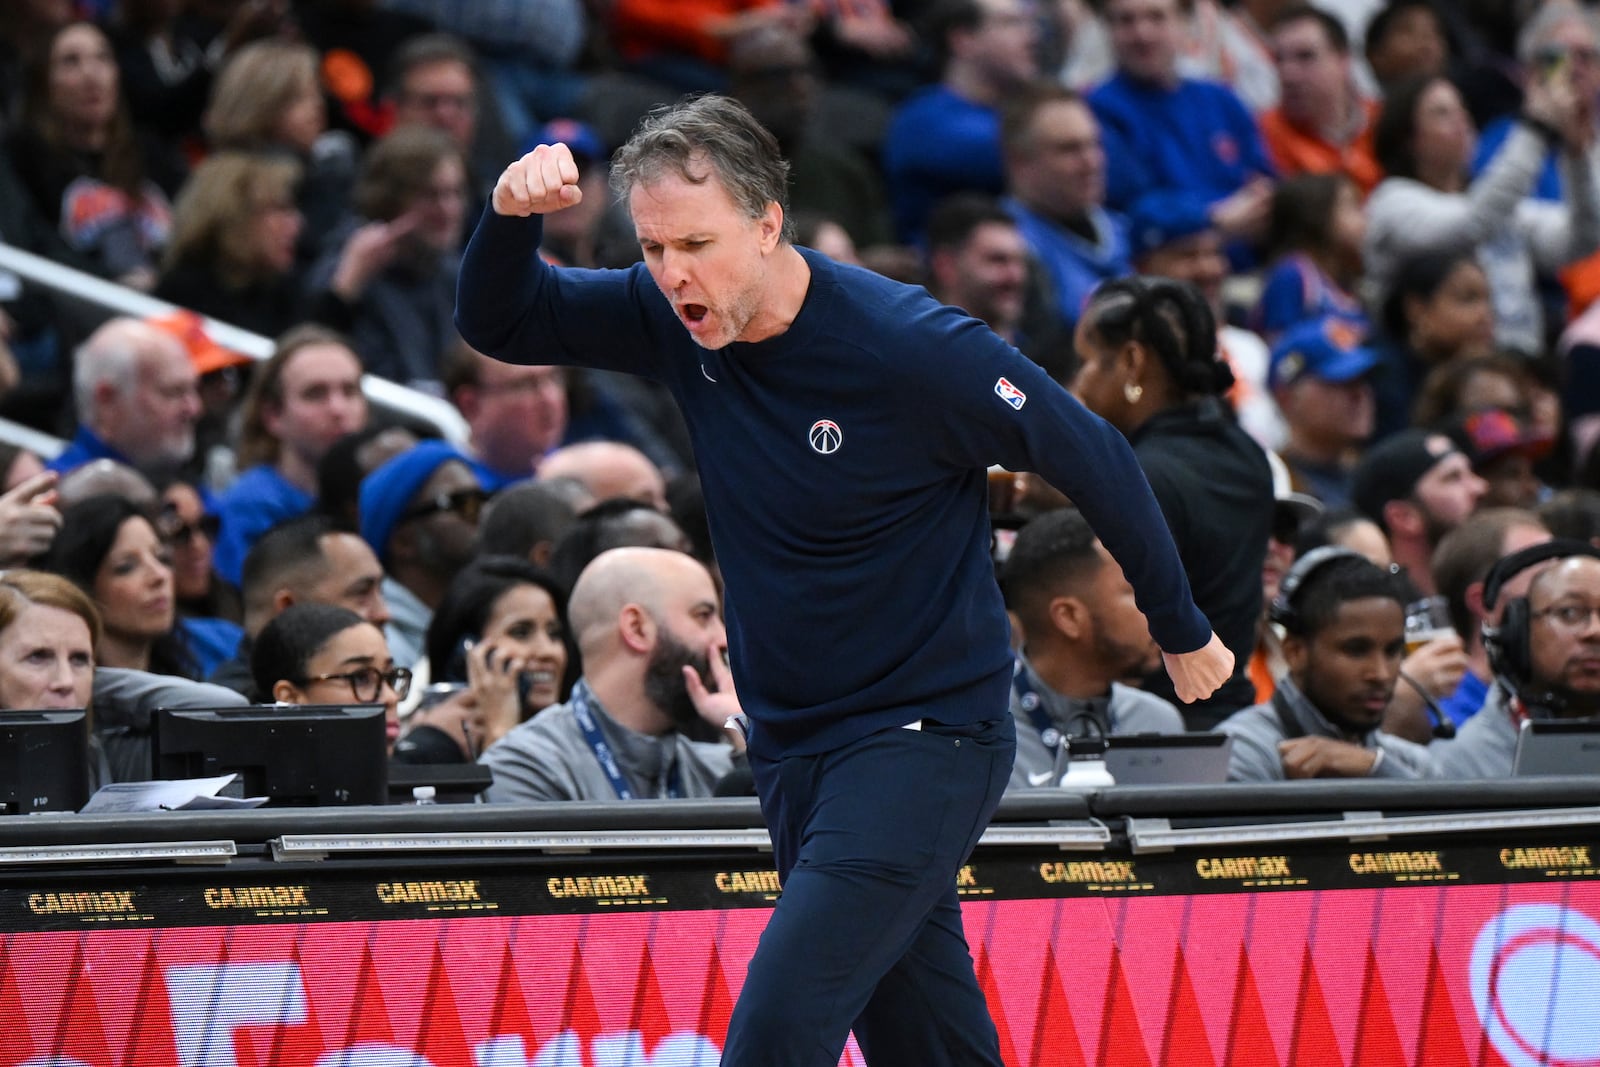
(843, 425)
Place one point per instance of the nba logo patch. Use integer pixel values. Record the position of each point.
(1010, 394)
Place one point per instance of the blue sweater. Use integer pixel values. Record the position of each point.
(258, 500)
(1073, 265)
(939, 143)
(85, 447)
(1197, 140)
(860, 594)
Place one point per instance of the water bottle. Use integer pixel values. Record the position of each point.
(1086, 765)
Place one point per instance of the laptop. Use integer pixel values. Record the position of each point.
(1169, 759)
(1558, 746)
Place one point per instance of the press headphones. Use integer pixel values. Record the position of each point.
(1510, 656)
(1282, 610)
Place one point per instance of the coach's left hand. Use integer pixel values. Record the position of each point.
(1196, 675)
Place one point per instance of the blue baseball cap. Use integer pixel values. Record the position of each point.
(388, 491)
(1159, 219)
(582, 138)
(1328, 349)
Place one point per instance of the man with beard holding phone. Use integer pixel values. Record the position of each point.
(649, 626)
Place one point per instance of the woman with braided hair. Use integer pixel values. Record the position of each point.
(1151, 369)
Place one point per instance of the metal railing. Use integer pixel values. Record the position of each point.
(386, 396)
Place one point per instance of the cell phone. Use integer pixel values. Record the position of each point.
(457, 665)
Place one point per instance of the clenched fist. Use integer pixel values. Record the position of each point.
(543, 181)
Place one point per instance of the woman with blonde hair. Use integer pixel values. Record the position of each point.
(232, 253)
(48, 633)
(268, 99)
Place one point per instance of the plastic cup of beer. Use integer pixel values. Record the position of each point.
(1427, 620)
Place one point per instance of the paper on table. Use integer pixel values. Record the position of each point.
(192, 794)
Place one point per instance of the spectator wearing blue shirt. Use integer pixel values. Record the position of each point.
(1322, 380)
(419, 513)
(1314, 235)
(208, 612)
(1179, 137)
(1558, 36)
(516, 414)
(1056, 190)
(1461, 566)
(137, 399)
(305, 397)
(946, 139)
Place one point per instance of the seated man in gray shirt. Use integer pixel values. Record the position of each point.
(648, 625)
(1081, 632)
(1545, 655)
(1344, 623)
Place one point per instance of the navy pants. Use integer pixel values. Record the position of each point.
(867, 935)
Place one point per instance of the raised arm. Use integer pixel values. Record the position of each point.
(513, 306)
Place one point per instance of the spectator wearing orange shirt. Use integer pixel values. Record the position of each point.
(684, 43)
(1322, 124)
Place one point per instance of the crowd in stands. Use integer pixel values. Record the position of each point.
(1332, 268)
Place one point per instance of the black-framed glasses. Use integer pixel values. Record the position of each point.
(366, 683)
(174, 531)
(467, 503)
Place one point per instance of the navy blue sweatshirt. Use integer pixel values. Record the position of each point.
(860, 592)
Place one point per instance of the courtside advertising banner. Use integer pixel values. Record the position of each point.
(1435, 954)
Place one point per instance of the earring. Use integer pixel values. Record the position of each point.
(1133, 391)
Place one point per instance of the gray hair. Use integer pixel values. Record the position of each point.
(109, 357)
(1551, 16)
(683, 138)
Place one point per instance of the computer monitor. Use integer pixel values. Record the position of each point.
(1558, 746)
(295, 755)
(44, 761)
(1169, 759)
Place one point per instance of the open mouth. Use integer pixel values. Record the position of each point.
(693, 312)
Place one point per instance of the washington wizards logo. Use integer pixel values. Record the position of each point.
(826, 437)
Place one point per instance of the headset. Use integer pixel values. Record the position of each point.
(1507, 645)
(1282, 610)
(1283, 613)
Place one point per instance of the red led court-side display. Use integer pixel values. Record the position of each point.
(1263, 969)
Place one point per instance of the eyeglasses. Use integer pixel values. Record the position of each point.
(175, 531)
(467, 503)
(367, 683)
(1572, 617)
(1568, 616)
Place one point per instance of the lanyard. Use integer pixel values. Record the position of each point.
(602, 750)
(1033, 706)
